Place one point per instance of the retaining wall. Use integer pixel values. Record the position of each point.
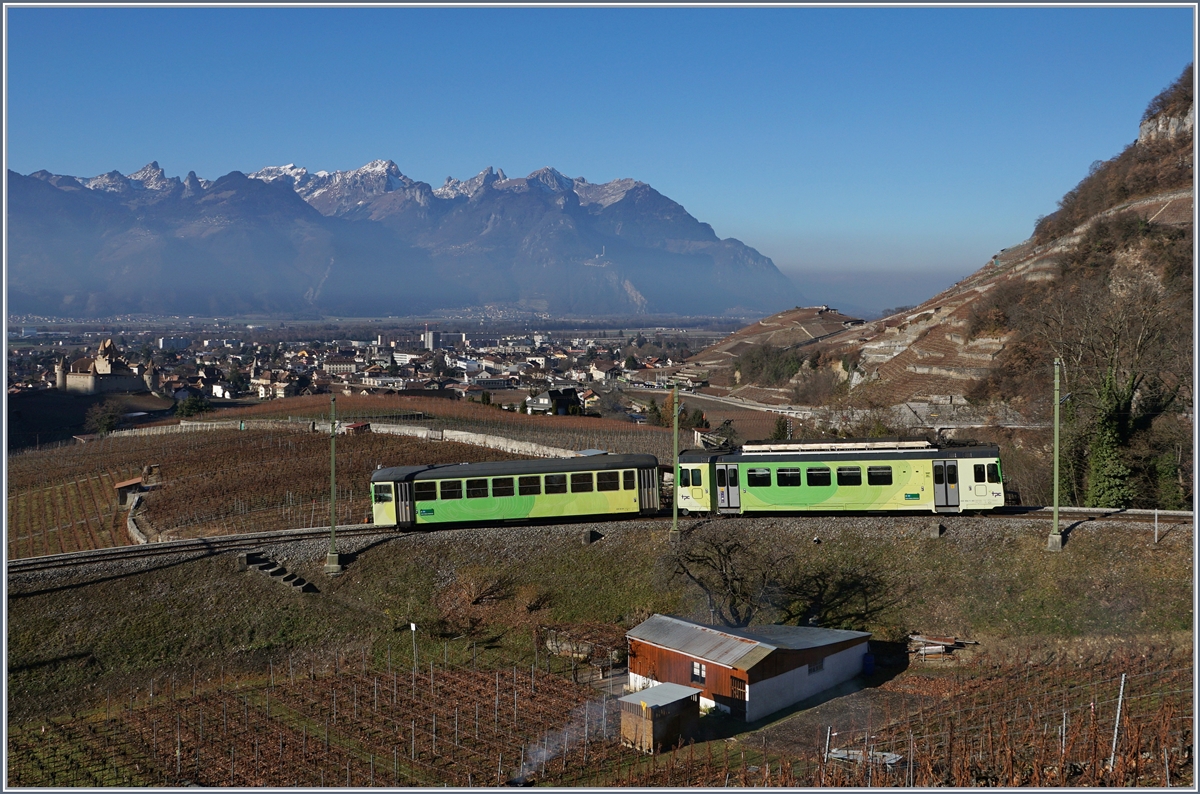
(429, 434)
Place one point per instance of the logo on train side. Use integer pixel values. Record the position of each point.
(426, 511)
(911, 496)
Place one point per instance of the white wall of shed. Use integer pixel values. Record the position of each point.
(771, 695)
(639, 682)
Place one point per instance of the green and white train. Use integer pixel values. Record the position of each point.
(822, 475)
(840, 474)
(587, 486)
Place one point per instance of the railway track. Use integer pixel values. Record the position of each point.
(249, 542)
(1072, 514)
(197, 546)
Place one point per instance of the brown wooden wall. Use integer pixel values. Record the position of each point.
(676, 668)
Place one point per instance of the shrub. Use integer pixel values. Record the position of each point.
(192, 406)
(768, 365)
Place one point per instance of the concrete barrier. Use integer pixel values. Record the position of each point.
(476, 439)
(131, 527)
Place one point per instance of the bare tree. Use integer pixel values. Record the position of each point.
(739, 577)
(745, 578)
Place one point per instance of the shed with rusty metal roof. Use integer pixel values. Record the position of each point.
(749, 672)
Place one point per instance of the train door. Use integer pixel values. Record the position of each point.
(648, 490)
(404, 504)
(945, 485)
(391, 503)
(728, 494)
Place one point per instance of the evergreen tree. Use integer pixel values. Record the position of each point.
(1170, 493)
(1107, 475)
(653, 415)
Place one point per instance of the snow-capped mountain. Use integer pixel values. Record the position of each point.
(149, 178)
(369, 241)
(606, 193)
(469, 187)
(373, 179)
(339, 192)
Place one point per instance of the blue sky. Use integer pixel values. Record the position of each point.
(876, 154)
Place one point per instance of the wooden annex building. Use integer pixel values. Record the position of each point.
(660, 717)
(750, 672)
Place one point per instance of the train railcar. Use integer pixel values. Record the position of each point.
(840, 474)
(595, 485)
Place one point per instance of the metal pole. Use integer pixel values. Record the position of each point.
(1057, 364)
(1117, 724)
(1055, 543)
(675, 486)
(333, 562)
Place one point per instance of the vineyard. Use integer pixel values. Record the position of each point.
(564, 432)
(76, 515)
(1123, 720)
(343, 718)
(212, 482)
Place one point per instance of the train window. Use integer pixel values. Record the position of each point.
(424, 491)
(630, 480)
(383, 492)
(556, 483)
(696, 479)
(787, 478)
(993, 472)
(685, 478)
(502, 486)
(720, 477)
(581, 482)
(733, 478)
(608, 481)
(529, 486)
(951, 474)
(849, 475)
(879, 475)
(758, 478)
(818, 477)
(939, 476)
(979, 475)
(452, 489)
(477, 489)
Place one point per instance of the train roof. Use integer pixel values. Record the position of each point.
(840, 449)
(500, 468)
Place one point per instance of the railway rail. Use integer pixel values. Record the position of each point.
(200, 546)
(250, 541)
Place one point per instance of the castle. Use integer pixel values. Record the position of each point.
(104, 373)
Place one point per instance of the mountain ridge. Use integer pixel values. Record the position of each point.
(544, 241)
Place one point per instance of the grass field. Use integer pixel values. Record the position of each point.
(82, 652)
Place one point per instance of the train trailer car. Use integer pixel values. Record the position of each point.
(593, 485)
(840, 474)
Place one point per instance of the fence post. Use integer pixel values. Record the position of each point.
(1117, 725)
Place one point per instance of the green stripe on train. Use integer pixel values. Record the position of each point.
(501, 508)
(905, 480)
